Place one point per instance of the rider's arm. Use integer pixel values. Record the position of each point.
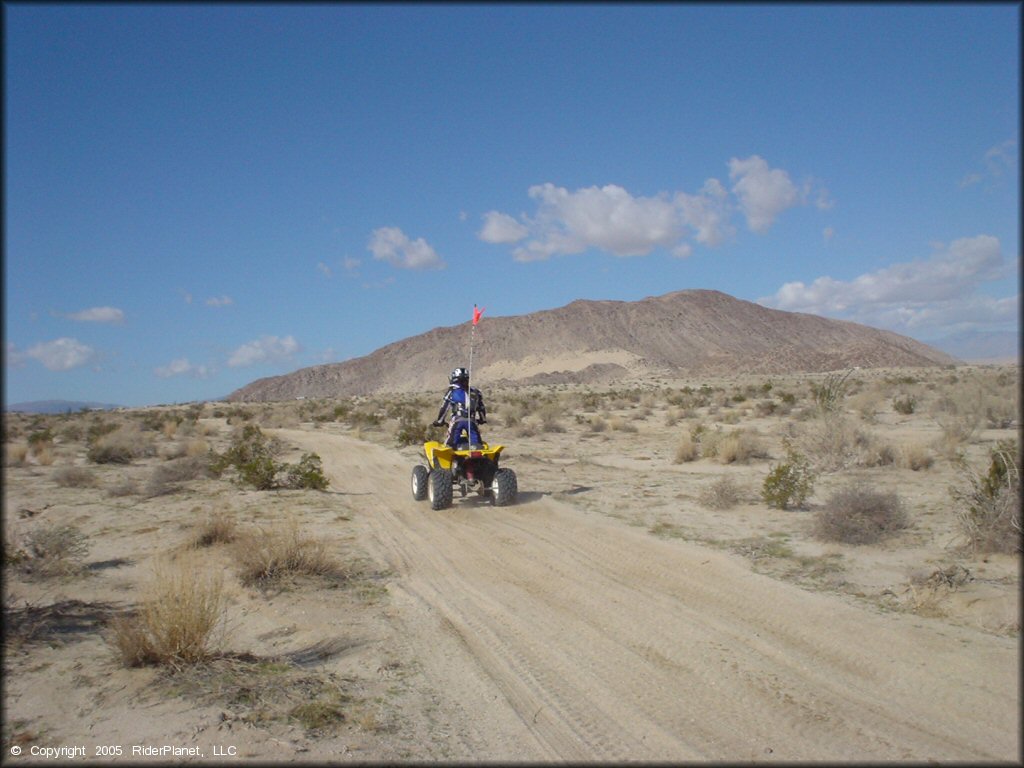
(444, 408)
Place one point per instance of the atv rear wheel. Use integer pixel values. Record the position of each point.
(419, 482)
(439, 488)
(504, 487)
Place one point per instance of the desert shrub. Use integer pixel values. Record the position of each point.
(597, 424)
(789, 483)
(51, 550)
(273, 555)
(40, 438)
(550, 417)
(411, 431)
(834, 441)
(988, 505)
(904, 404)
(120, 446)
(165, 476)
(251, 455)
(830, 394)
(178, 620)
(123, 488)
(914, 456)
(197, 447)
(98, 429)
(858, 514)
(723, 493)
(74, 477)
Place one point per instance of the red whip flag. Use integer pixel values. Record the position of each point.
(476, 314)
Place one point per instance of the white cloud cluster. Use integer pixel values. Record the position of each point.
(391, 244)
(940, 293)
(266, 349)
(219, 301)
(609, 218)
(98, 315)
(182, 367)
(63, 354)
(998, 160)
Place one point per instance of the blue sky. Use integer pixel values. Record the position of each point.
(200, 196)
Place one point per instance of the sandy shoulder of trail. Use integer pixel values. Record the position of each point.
(609, 615)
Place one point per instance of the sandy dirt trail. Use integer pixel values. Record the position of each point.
(559, 634)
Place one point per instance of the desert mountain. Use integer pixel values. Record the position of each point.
(686, 333)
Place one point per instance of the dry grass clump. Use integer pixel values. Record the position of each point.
(739, 446)
(275, 555)
(687, 449)
(858, 514)
(914, 456)
(179, 620)
(723, 493)
(74, 477)
(620, 424)
(120, 446)
(49, 551)
(218, 528)
(15, 454)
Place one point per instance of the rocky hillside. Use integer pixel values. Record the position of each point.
(690, 332)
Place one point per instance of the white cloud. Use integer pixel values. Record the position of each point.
(61, 354)
(219, 301)
(98, 315)
(266, 349)
(611, 219)
(502, 228)
(324, 270)
(350, 263)
(607, 218)
(390, 244)
(763, 192)
(182, 367)
(707, 213)
(939, 292)
(13, 357)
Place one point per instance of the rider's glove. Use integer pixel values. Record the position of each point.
(437, 423)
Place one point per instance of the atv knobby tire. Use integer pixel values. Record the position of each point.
(419, 482)
(504, 487)
(439, 488)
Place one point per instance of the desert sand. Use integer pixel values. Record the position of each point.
(611, 614)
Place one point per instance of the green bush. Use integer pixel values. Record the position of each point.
(252, 454)
(904, 405)
(989, 504)
(411, 431)
(308, 473)
(788, 484)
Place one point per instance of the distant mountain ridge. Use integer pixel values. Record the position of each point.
(58, 406)
(689, 332)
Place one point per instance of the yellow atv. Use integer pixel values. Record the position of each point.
(468, 466)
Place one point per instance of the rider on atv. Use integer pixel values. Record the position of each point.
(467, 407)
